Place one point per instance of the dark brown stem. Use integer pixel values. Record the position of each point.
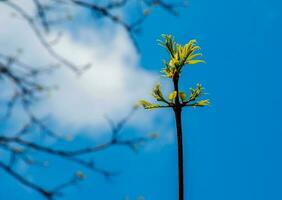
(177, 111)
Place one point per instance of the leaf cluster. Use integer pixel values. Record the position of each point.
(180, 55)
(194, 99)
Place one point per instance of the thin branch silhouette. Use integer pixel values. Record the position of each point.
(25, 87)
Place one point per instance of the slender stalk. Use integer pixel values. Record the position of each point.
(180, 55)
(177, 111)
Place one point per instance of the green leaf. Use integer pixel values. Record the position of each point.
(157, 93)
(172, 95)
(182, 96)
(203, 103)
(148, 105)
(193, 62)
(195, 93)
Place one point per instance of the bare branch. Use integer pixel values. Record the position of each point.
(25, 182)
(26, 88)
(42, 40)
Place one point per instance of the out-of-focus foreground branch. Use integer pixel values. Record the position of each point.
(22, 85)
(22, 82)
(52, 13)
(19, 147)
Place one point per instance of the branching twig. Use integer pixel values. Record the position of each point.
(19, 147)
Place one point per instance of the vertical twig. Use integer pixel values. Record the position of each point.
(180, 55)
(177, 111)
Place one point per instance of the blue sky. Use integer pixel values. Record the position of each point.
(233, 148)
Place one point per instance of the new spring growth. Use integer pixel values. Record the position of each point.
(179, 57)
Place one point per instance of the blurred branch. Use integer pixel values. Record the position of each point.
(49, 7)
(19, 149)
(41, 38)
(48, 194)
(25, 182)
(22, 81)
(25, 86)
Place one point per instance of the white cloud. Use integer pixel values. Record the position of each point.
(112, 86)
(114, 83)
